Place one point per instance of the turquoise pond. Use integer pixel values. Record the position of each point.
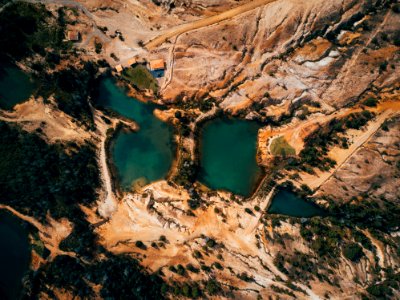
(290, 204)
(146, 154)
(228, 151)
(14, 256)
(15, 86)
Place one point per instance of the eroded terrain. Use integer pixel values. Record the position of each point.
(323, 80)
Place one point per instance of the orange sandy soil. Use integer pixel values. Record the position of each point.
(297, 131)
(160, 210)
(56, 125)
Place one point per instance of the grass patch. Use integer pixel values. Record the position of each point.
(371, 102)
(140, 77)
(280, 147)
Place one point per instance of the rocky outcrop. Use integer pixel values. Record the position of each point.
(326, 52)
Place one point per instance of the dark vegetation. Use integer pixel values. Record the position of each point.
(280, 290)
(299, 266)
(314, 154)
(203, 105)
(71, 89)
(37, 178)
(353, 252)
(188, 170)
(342, 233)
(384, 290)
(140, 77)
(328, 238)
(120, 277)
(382, 216)
(371, 102)
(323, 239)
(194, 290)
(28, 29)
(31, 31)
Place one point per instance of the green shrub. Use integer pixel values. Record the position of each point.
(140, 245)
(98, 47)
(141, 78)
(371, 102)
(192, 269)
(210, 243)
(197, 254)
(249, 211)
(280, 147)
(213, 287)
(353, 252)
(205, 268)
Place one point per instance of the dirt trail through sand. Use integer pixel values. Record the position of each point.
(295, 133)
(51, 235)
(342, 155)
(206, 22)
(109, 205)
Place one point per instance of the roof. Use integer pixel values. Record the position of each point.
(118, 68)
(157, 64)
(132, 61)
(73, 35)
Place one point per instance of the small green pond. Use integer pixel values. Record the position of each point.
(290, 204)
(15, 86)
(14, 256)
(146, 154)
(228, 151)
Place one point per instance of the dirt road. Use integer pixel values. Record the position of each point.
(109, 204)
(206, 22)
(341, 156)
(295, 133)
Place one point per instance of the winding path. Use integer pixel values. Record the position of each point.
(205, 22)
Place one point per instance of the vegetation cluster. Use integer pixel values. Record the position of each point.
(140, 77)
(314, 154)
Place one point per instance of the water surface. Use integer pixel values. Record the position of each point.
(14, 256)
(290, 204)
(228, 155)
(15, 86)
(145, 155)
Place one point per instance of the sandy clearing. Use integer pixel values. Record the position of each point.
(342, 155)
(51, 235)
(297, 131)
(56, 125)
(205, 22)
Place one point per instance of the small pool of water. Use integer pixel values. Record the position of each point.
(145, 155)
(290, 204)
(228, 151)
(15, 86)
(14, 256)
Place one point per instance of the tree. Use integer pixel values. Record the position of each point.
(353, 252)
